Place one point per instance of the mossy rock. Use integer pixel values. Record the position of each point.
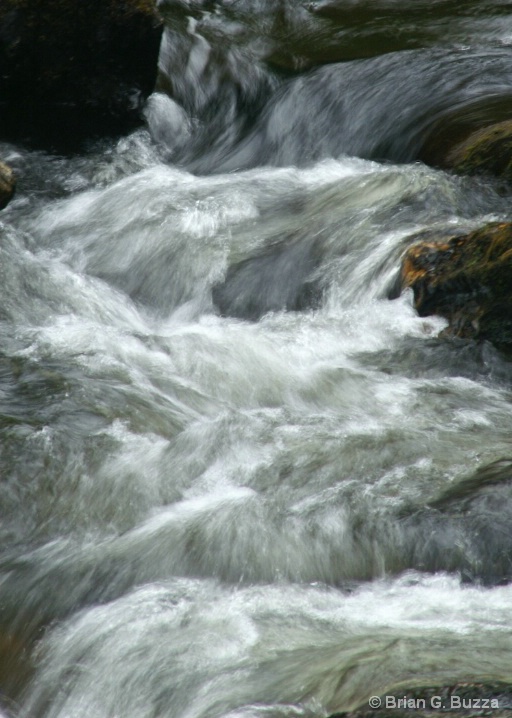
(7, 184)
(467, 279)
(74, 69)
(488, 150)
(473, 139)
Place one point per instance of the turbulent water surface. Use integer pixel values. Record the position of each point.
(237, 479)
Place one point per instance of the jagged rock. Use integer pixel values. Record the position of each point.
(72, 69)
(485, 151)
(7, 184)
(467, 279)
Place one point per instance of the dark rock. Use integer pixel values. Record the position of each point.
(467, 279)
(7, 184)
(486, 151)
(473, 139)
(72, 69)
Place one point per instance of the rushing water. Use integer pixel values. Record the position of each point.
(237, 478)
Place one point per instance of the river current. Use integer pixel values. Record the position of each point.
(240, 477)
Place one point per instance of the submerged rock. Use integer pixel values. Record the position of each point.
(15, 663)
(467, 279)
(7, 184)
(485, 151)
(72, 69)
(281, 279)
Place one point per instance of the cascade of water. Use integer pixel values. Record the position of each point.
(237, 480)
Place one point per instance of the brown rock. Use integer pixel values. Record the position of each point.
(467, 279)
(7, 184)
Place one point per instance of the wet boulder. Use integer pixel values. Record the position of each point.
(7, 184)
(72, 69)
(485, 151)
(467, 279)
(474, 138)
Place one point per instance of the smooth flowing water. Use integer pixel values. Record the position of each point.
(236, 478)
